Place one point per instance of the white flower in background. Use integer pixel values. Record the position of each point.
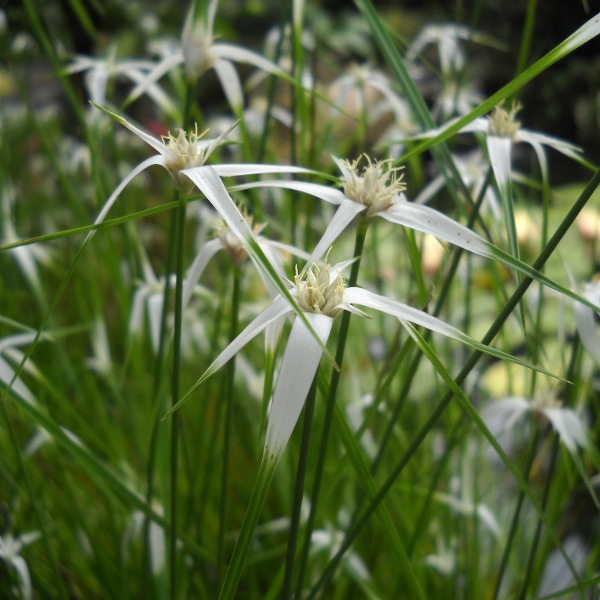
(321, 292)
(28, 257)
(502, 131)
(200, 52)
(457, 95)
(504, 413)
(9, 355)
(365, 94)
(99, 71)
(448, 39)
(473, 168)
(10, 553)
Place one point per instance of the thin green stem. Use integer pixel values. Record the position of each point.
(175, 391)
(255, 506)
(514, 524)
(227, 429)
(525, 49)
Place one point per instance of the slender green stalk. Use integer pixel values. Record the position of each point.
(255, 506)
(525, 48)
(309, 409)
(147, 589)
(361, 233)
(514, 523)
(175, 392)
(227, 430)
(528, 576)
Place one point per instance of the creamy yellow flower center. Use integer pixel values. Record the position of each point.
(185, 153)
(317, 293)
(375, 185)
(503, 123)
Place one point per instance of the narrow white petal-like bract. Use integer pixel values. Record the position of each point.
(7, 375)
(343, 216)
(562, 146)
(239, 170)
(269, 315)
(230, 82)
(588, 331)
(157, 144)
(404, 312)
(298, 368)
(323, 192)
(209, 183)
(568, 426)
(584, 34)
(243, 55)
(499, 149)
(159, 71)
(153, 160)
(209, 249)
(429, 220)
(274, 311)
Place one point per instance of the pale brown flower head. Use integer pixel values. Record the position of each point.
(375, 186)
(503, 123)
(317, 292)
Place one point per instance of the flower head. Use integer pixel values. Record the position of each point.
(185, 151)
(375, 186)
(319, 290)
(503, 123)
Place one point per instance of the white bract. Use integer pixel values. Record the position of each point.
(587, 325)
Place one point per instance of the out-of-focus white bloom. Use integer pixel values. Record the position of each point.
(28, 257)
(10, 552)
(9, 355)
(565, 421)
(99, 71)
(199, 52)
